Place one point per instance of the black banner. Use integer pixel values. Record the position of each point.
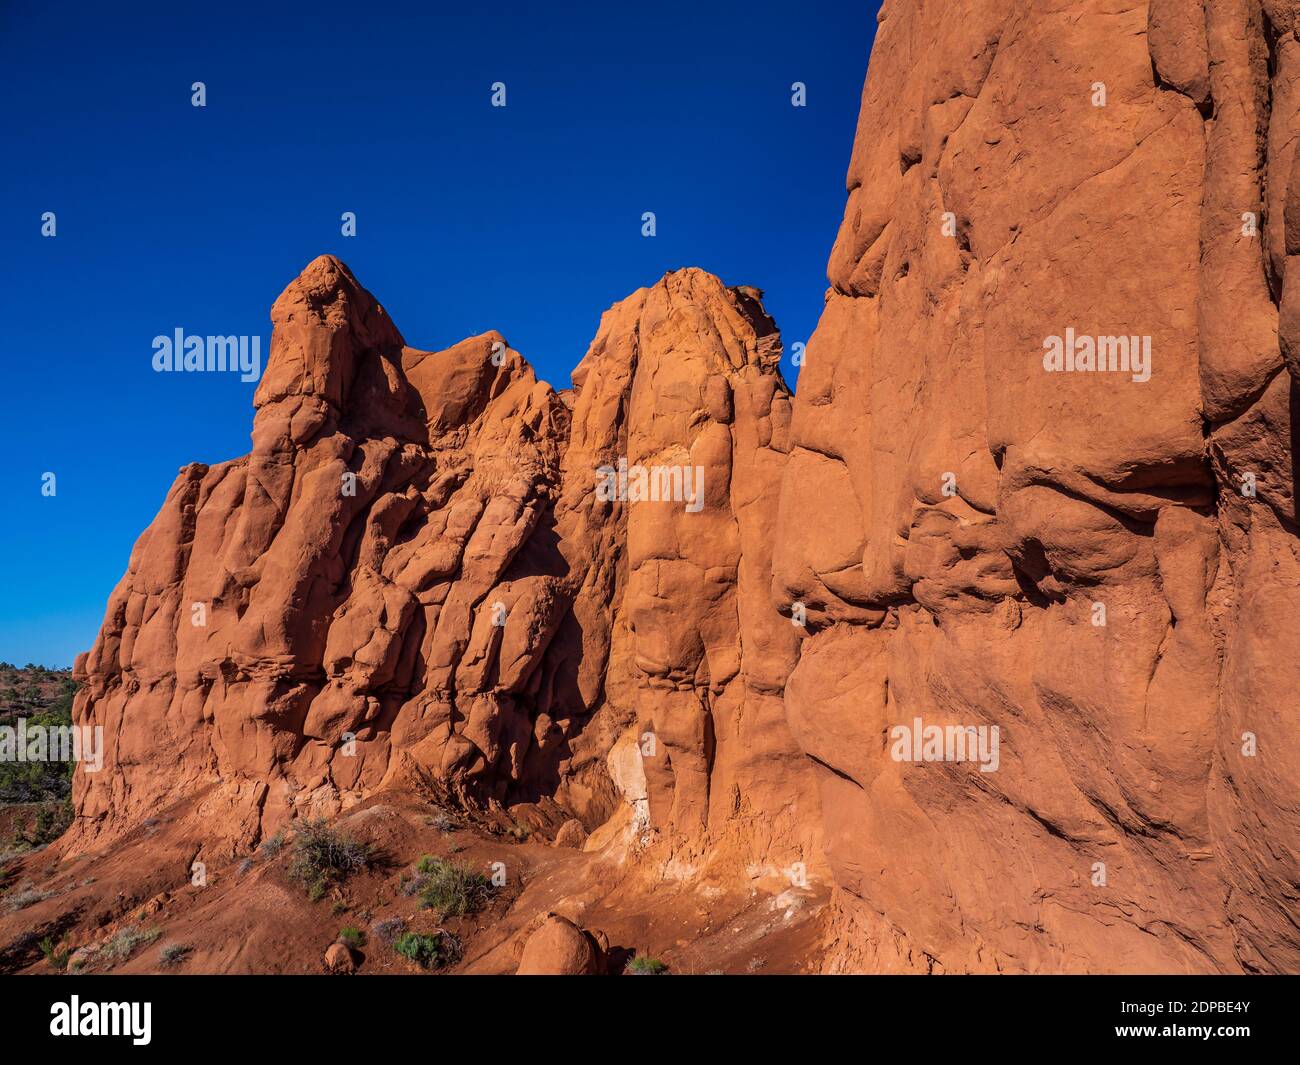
(1224, 1015)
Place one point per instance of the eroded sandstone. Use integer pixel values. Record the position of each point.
(413, 578)
(1067, 557)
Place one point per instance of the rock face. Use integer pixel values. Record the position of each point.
(433, 566)
(1100, 563)
(1037, 492)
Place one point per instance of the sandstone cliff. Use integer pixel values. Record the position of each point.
(414, 581)
(1102, 567)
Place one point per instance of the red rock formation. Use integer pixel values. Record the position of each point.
(418, 574)
(1066, 556)
(413, 574)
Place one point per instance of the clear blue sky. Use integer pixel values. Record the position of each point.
(525, 219)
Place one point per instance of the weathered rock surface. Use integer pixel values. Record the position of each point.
(1069, 557)
(416, 576)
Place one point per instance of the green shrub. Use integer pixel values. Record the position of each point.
(323, 857)
(125, 942)
(646, 967)
(51, 821)
(352, 937)
(173, 954)
(451, 889)
(271, 847)
(58, 959)
(430, 951)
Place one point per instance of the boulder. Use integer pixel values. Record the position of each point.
(571, 834)
(559, 948)
(340, 960)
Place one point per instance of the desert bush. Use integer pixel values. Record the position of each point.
(430, 951)
(450, 888)
(51, 821)
(352, 937)
(123, 944)
(322, 857)
(173, 954)
(645, 967)
(20, 900)
(272, 846)
(387, 930)
(57, 958)
(442, 821)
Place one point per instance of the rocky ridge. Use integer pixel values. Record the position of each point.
(415, 582)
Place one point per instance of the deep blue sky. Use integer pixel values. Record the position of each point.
(525, 219)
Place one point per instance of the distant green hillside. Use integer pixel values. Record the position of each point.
(43, 697)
